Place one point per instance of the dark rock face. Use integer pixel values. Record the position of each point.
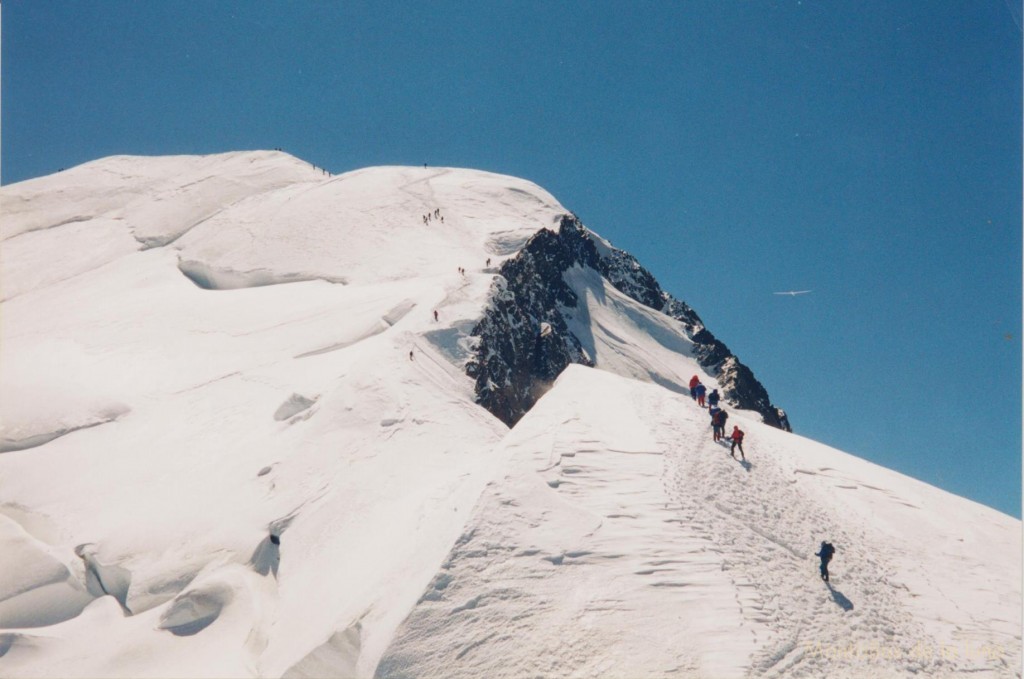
(524, 341)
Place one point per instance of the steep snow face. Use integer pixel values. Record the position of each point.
(239, 439)
(620, 540)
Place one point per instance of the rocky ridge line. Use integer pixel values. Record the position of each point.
(523, 341)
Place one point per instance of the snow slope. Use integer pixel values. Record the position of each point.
(236, 442)
(620, 540)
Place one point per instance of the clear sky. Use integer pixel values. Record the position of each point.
(867, 150)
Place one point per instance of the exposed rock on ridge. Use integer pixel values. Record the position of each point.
(524, 341)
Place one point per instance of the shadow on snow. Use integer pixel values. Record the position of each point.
(839, 598)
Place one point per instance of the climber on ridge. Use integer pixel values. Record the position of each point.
(826, 552)
(783, 420)
(718, 418)
(737, 442)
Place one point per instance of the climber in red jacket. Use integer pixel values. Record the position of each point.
(737, 442)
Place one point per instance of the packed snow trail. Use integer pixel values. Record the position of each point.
(620, 540)
(769, 529)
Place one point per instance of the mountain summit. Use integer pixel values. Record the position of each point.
(259, 420)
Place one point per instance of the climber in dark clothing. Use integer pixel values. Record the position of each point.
(718, 418)
(713, 398)
(827, 550)
(700, 390)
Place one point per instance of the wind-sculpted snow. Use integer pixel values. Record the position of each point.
(241, 441)
(91, 215)
(37, 588)
(208, 278)
(197, 608)
(104, 579)
(366, 226)
(34, 415)
(294, 405)
(76, 247)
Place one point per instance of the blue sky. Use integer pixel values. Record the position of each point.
(870, 151)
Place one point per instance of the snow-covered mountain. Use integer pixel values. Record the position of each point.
(413, 422)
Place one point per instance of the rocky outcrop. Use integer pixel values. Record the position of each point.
(523, 341)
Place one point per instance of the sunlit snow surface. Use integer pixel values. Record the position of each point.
(219, 459)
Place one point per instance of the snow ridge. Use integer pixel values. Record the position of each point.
(620, 540)
(239, 439)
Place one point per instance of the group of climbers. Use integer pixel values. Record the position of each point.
(436, 214)
(718, 416)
